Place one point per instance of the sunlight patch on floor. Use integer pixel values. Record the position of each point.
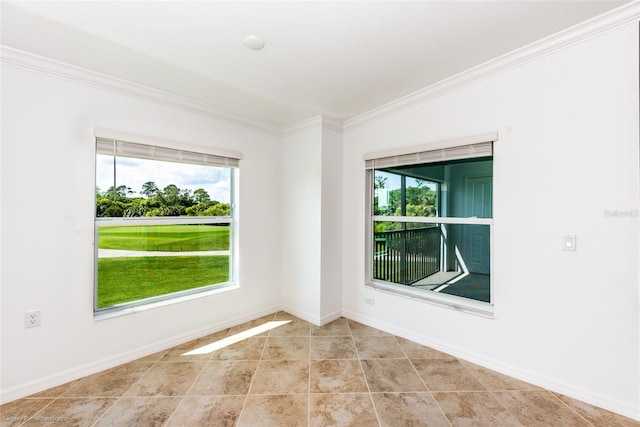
(225, 342)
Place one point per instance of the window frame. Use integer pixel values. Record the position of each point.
(231, 219)
(412, 155)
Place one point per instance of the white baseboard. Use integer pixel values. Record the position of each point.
(41, 384)
(302, 314)
(316, 320)
(626, 409)
(327, 318)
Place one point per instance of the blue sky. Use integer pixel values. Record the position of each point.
(135, 172)
(393, 180)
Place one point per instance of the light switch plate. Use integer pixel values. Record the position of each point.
(569, 243)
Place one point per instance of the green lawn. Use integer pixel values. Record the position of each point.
(173, 238)
(133, 278)
(127, 279)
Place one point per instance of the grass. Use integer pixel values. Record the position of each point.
(173, 238)
(129, 279)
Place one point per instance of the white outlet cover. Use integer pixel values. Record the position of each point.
(32, 319)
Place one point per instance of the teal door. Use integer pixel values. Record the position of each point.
(476, 239)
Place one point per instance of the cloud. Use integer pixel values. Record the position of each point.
(135, 172)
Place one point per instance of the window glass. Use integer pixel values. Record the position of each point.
(163, 229)
(397, 194)
(432, 227)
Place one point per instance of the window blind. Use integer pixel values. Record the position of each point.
(481, 146)
(142, 151)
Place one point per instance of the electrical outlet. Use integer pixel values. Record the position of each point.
(370, 301)
(32, 319)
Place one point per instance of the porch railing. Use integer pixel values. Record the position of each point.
(406, 256)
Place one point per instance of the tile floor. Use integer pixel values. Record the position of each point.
(297, 374)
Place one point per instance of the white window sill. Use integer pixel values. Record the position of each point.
(117, 312)
(449, 301)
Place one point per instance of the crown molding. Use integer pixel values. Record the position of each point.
(320, 121)
(32, 62)
(616, 18)
(332, 123)
(302, 125)
(606, 22)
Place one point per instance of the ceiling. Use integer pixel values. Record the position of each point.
(339, 58)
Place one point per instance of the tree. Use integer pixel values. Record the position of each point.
(170, 201)
(114, 210)
(219, 209)
(119, 193)
(420, 201)
(201, 196)
(380, 182)
(170, 195)
(185, 199)
(149, 189)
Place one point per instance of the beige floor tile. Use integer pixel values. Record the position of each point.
(281, 377)
(360, 329)
(337, 328)
(225, 377)
(247, 349)
(75, 411)
(342, 410)
(139, 411)
(493, 380)
(251, 325)
(55, 391)
(337, 376)
(539, 408)
(286, 348)
(180, 353)
(283, 315)
(372, 347)
(391, 375)
(416, 351)
(598, 416)
(14, 413)
(110, 383)
(332, 348)
(320, 381)
(214, 336)
(152, 358)
(408, 409)
(214, 411)
(474, 409)
(167, 379)
(275, 411)
(294, 328)
(446, 375)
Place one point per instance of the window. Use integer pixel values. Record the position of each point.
(430, 219)
(164, 222)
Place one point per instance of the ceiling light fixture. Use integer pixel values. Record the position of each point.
(254, 42)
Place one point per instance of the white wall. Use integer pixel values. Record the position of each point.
(331, 251)
(47, 230)
(567, 151)
(301, 222)
(312, 222)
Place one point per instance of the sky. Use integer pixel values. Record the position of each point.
(393, 183)
(393, 180)
(134, 172)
